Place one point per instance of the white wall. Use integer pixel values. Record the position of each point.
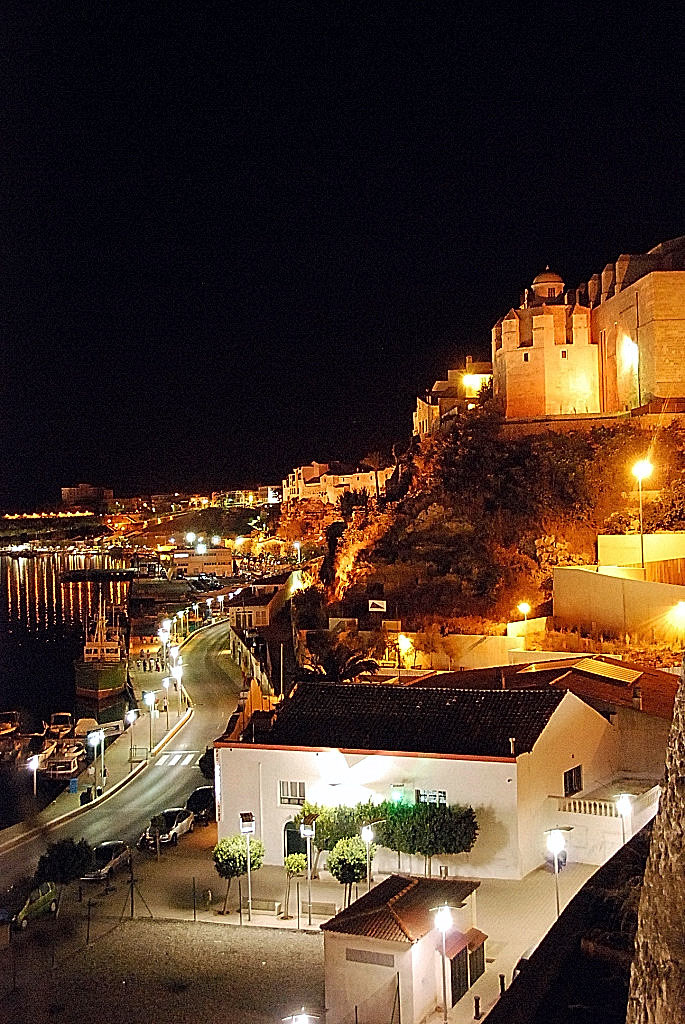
(575, 735)
(624, 549)
(250, 781)
(369, 987)
(583, 597)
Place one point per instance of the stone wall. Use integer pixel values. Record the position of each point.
(657, 981)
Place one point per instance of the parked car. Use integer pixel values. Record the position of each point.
(23, 904)
(173, 823)
(202, 803)
(107, 858)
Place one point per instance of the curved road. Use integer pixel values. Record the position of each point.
(213, 682)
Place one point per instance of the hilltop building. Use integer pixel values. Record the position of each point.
(449, 397)
(326, 481)
(612, 346)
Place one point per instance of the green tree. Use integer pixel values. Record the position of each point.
(230, 859)
(347, 863)
(440, 830)
(294, 864)
(65, 861)
(206, 764)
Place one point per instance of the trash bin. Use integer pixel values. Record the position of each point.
(87, 795)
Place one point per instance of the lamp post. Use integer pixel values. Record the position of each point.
(209, 608)
(32, 765)
(641, 470)
(220, 599)
(298, 547)
(524, 609)
(130, 719)
(165, 684)
(247, 828)
(177, 673)
(149, 699)
(94, 739)
(443, 922)
(308, 831)
(556, 843)
(367, 836)
(624, 806)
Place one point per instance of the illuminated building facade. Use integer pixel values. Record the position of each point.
(449, 397)
(613, 345)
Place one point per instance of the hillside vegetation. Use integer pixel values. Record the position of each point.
(476, 520)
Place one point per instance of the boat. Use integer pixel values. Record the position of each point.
(38, 745)
(101, 669)
(61, 724)
(65, 762)
(9, 723)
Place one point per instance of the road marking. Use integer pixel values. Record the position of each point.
(162, 759)
(187, 759)
(179, 759)
(175, 759)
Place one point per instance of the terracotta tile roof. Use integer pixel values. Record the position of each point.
(399, 908)
(582, 675)
(368, 716)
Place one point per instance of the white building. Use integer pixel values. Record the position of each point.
(213, 562)
(323, 481)
(384, 953)
(504, 752)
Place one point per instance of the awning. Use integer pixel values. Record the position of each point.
(455, 941)
(475, 939)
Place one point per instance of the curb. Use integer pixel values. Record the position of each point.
(48, 826)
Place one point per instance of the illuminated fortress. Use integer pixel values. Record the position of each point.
(613, 345)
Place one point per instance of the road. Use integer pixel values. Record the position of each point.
(213, 684)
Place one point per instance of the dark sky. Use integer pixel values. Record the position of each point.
(237, 237)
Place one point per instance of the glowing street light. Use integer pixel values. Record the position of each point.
(130, 718)
(247, 828)
(641, 470)
(556, 844)
(298, 547)
(624, 806)
(443, 922)
(190, 537)
(95, 738)
(149, 699)
(367, 836)
(32, 765)
(201, 549)
(216, 540)
(301, 1018)
(524, 609)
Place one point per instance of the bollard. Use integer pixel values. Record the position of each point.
(502, 985)
(476, 1008)
(194, 901)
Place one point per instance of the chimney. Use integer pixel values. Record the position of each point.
(512, 744)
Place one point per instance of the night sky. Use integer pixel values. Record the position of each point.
(237, 240)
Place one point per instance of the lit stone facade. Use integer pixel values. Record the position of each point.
(448, 397)
(613, 345)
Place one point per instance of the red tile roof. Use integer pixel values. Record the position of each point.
(399, 909)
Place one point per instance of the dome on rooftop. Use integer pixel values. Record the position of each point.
(548, 277)
(548, 285)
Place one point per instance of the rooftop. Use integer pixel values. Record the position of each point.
(596, 678)
(412, 719)
(399, 909)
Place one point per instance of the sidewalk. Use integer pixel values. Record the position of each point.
(125, 757)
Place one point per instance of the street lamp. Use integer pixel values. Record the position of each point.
(32, 765)
(367, 836)
(220, 599)
(308, 831)
(177, 673)
(149, 699)
(165, 684)
(94, 738)
(443, 922)
(624, 806)
(556, 844)
(298, 547)
(209, 607)
(301, 1018)
(524, 609)
(641, 470)
(130, 717)
(247, 828)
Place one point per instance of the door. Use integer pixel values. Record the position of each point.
(476, 963)
(460, 974)
(292, 840)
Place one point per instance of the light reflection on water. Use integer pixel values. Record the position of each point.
(32, 599)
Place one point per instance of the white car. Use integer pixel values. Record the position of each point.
(174, 822)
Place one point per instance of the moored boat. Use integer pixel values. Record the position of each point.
(101, 670)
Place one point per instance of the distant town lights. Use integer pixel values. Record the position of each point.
(216, 539)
